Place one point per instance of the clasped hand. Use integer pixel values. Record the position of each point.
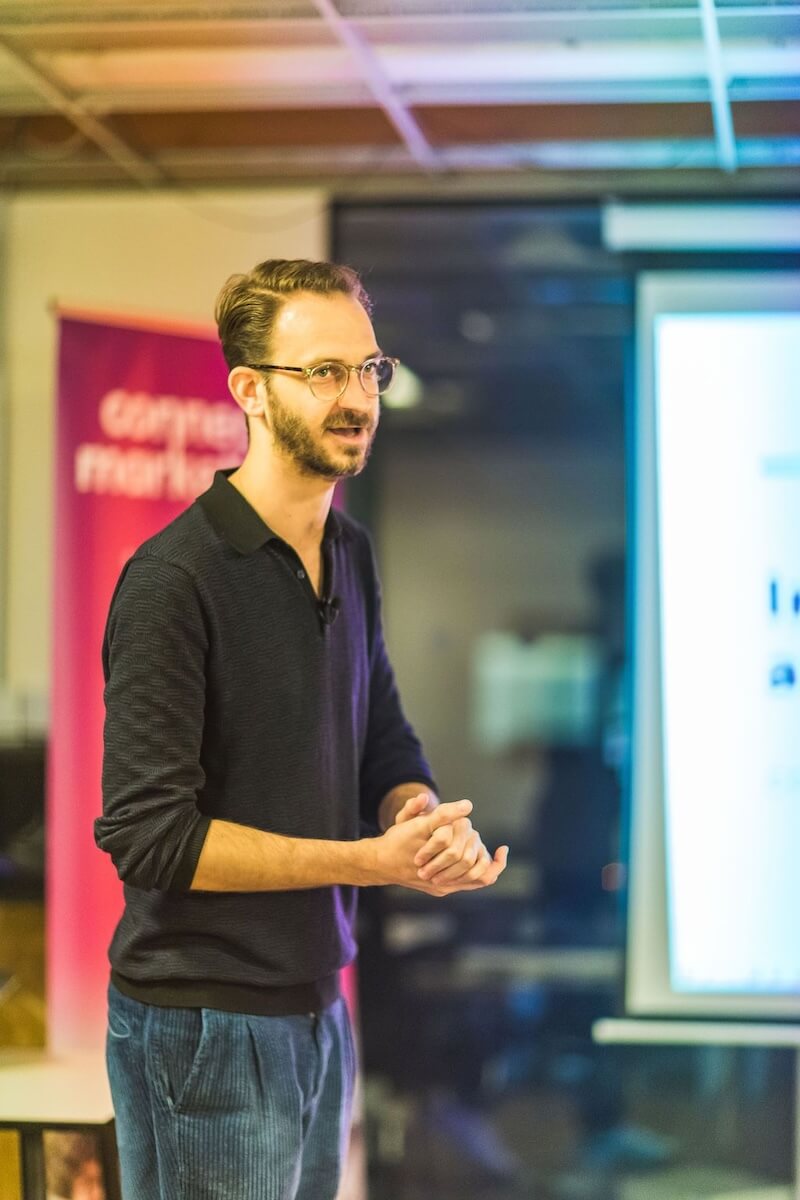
(439, 851)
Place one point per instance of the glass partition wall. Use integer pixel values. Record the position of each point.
(497, 500)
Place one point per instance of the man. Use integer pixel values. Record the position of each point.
(253, 735)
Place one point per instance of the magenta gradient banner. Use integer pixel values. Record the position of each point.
(144, 419)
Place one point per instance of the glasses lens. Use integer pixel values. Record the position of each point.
(377, 375)
(328, 380)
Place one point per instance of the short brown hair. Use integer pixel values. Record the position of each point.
(248, 304)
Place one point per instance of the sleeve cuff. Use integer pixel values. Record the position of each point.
(187, 864)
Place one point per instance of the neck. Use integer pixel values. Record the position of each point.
(295, 506)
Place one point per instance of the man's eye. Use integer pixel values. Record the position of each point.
(370, 367)
(322, 372)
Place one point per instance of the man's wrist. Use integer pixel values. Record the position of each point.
(363, 862)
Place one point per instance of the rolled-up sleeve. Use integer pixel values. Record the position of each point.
(154, 658)
(392, 754)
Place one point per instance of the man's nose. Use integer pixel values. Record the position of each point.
(355, 395)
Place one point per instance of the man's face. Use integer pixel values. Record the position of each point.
(327, 438)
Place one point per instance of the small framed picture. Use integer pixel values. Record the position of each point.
(73, 1165)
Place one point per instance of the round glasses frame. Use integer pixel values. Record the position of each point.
(376, 385)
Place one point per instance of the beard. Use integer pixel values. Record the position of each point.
(295, 440)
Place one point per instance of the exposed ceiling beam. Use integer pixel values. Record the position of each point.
(507, 161)
(132, 163)
(416, 142)
(58, 21)
(274, 98)
(119, 78)
(720, 100)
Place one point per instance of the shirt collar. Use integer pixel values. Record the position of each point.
(235, 520)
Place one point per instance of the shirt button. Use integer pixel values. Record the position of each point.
(301, 573)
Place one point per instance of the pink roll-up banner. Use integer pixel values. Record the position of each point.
(144, 418)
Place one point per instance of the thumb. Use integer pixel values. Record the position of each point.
(413, 807)
(446, 814)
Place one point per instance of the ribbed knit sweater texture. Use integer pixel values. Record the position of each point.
(230, 695)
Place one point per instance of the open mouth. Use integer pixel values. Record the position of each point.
(350, 433)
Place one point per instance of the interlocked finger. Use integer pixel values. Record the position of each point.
(482, 869)
(439, 840)
(452, 856)
(444, 846)
(440, 871)
(485, 873)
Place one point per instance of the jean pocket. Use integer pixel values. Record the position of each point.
(122, 1015)
(184, 1048)
(118, 1027)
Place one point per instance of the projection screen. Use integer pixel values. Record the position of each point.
(714, 892)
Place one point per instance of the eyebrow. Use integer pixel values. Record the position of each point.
(323, 358)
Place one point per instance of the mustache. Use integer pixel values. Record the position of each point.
(351, 419)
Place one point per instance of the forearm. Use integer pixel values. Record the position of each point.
(238, 858)
(394, 800)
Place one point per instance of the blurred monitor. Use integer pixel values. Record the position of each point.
(542, 691)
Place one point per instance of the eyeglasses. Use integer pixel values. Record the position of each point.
(328, 380)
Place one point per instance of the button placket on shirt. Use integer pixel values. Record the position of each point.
(301, 575)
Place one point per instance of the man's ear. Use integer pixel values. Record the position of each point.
(249, 390)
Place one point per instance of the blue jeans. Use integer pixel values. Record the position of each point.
(213, 1105)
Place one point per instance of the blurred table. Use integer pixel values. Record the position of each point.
(681, 1032)
(39, 1092)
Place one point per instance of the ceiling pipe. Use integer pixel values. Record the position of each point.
(114, 147)
(369, 66)
(720, 100)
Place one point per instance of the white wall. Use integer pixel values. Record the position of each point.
(121, 252)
